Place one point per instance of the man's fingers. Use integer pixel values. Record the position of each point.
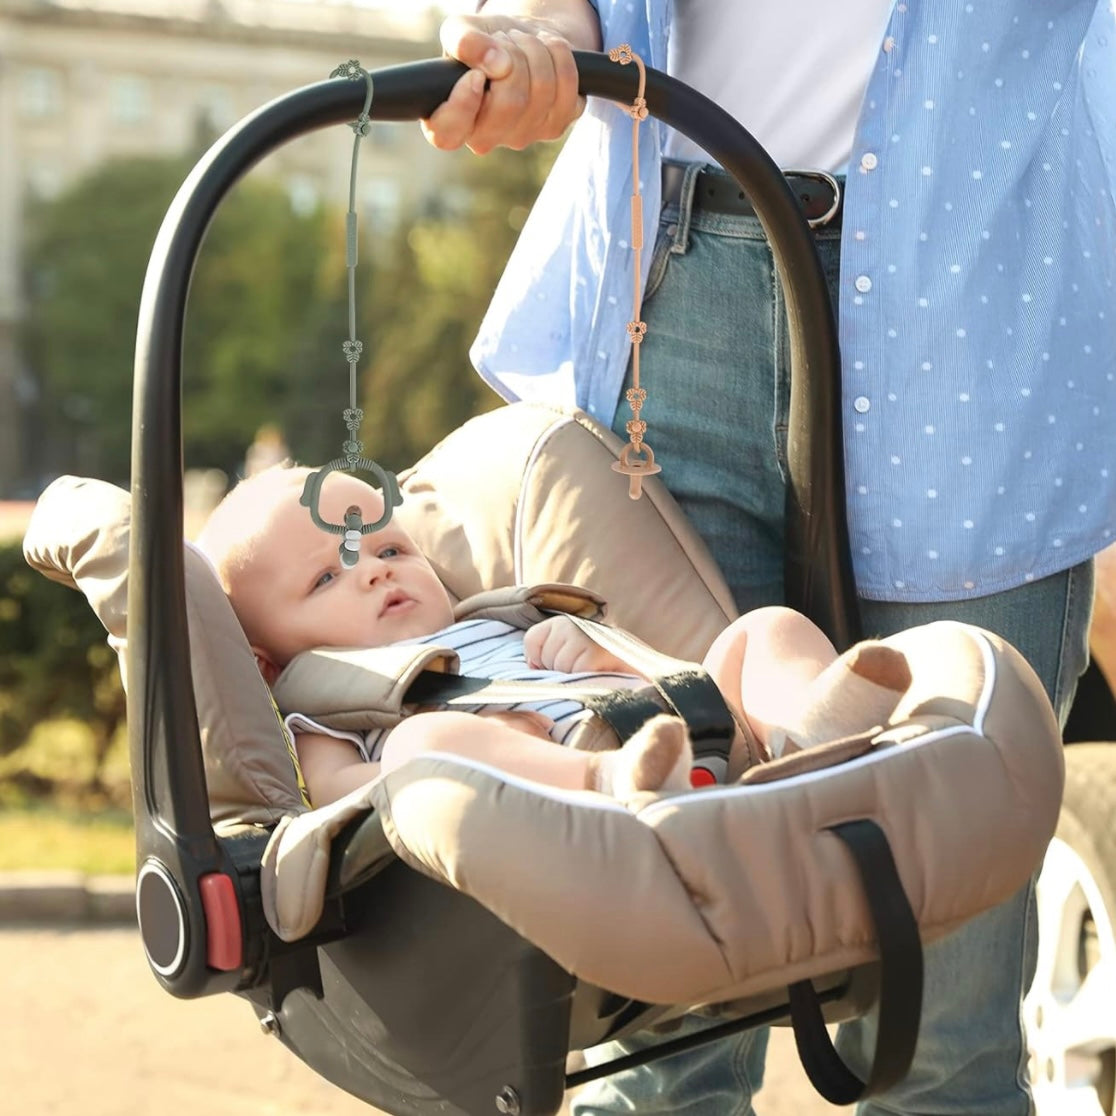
(454, 120)
(531, 91)
(568, 103)
(469, 39)
(515, 106)
(542, 89)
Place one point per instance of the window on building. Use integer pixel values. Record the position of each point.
(44, 181)
(386, 135)
(382, 201)
(130, 99)
(40, 92)
(303, 194)
(216, 103)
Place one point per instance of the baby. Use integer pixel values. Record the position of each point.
(285, 581)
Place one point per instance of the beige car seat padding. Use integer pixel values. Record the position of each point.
(722, 893)
(706, 896)
(550, 509)
(78, 535)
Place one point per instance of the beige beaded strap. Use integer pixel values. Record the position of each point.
(636, 459)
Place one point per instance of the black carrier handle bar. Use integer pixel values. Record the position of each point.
(176, 845)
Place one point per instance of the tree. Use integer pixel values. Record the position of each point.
(54, 663)
(257, 281)
(421, 303)
(266, 317)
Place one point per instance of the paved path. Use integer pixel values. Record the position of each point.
(86, 1031)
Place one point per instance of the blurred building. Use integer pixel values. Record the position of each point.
(85, 80)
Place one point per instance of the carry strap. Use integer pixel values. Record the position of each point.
(900, 1000)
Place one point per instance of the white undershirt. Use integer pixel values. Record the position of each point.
(793, 72)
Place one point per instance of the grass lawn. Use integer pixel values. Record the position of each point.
(69, 829)
(45, 838)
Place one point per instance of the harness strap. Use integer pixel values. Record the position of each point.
(625, 711)
(676, 687)
(686, 689)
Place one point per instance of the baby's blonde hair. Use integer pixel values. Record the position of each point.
(232, 533)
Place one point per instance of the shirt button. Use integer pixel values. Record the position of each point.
(868, 161)
(863, 284)
(889, 44)
(861, 403)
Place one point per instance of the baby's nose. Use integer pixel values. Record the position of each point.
(375, 568)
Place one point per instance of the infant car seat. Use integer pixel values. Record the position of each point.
(426, 998)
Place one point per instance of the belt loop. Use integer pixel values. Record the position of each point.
(681, 244)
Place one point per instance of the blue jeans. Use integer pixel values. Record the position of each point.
(714, 310)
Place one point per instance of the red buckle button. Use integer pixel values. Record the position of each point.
(702, 777)
(224, 947)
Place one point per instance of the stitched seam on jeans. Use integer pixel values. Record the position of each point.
(1067, 611)
(780, 383)
(1073, 593)
(740, 1060)
(1030, 929)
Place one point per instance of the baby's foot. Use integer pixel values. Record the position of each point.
(856, 692)
(657, 757)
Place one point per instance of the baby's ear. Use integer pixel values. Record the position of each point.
(268, 667)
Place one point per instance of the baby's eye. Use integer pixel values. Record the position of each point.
(325, 579)
(389, 551)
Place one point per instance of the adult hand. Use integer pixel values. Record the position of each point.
(521, 85)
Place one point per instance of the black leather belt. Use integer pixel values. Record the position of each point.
(715, 191)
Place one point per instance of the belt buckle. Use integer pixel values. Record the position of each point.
(832, 183)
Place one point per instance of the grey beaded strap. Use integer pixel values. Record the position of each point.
(352, 459)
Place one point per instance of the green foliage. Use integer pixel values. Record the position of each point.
(86, 255)
(44, 838)
(267, 316)
(54, 663)
(258, 287)
(258, 276)
(425, 301)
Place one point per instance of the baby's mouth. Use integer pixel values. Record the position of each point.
(395, 601)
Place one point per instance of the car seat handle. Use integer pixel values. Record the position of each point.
(173, 829)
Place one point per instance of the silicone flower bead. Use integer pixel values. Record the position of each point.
(351, 70)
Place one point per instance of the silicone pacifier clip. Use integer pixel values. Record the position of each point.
(636, 459)
(354, 527)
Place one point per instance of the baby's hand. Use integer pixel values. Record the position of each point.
(557, 643)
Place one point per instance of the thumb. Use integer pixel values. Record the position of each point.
(470, 39)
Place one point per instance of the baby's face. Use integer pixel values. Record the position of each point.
(298, 596)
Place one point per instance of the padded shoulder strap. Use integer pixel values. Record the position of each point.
(358, 688)
(524, 605)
